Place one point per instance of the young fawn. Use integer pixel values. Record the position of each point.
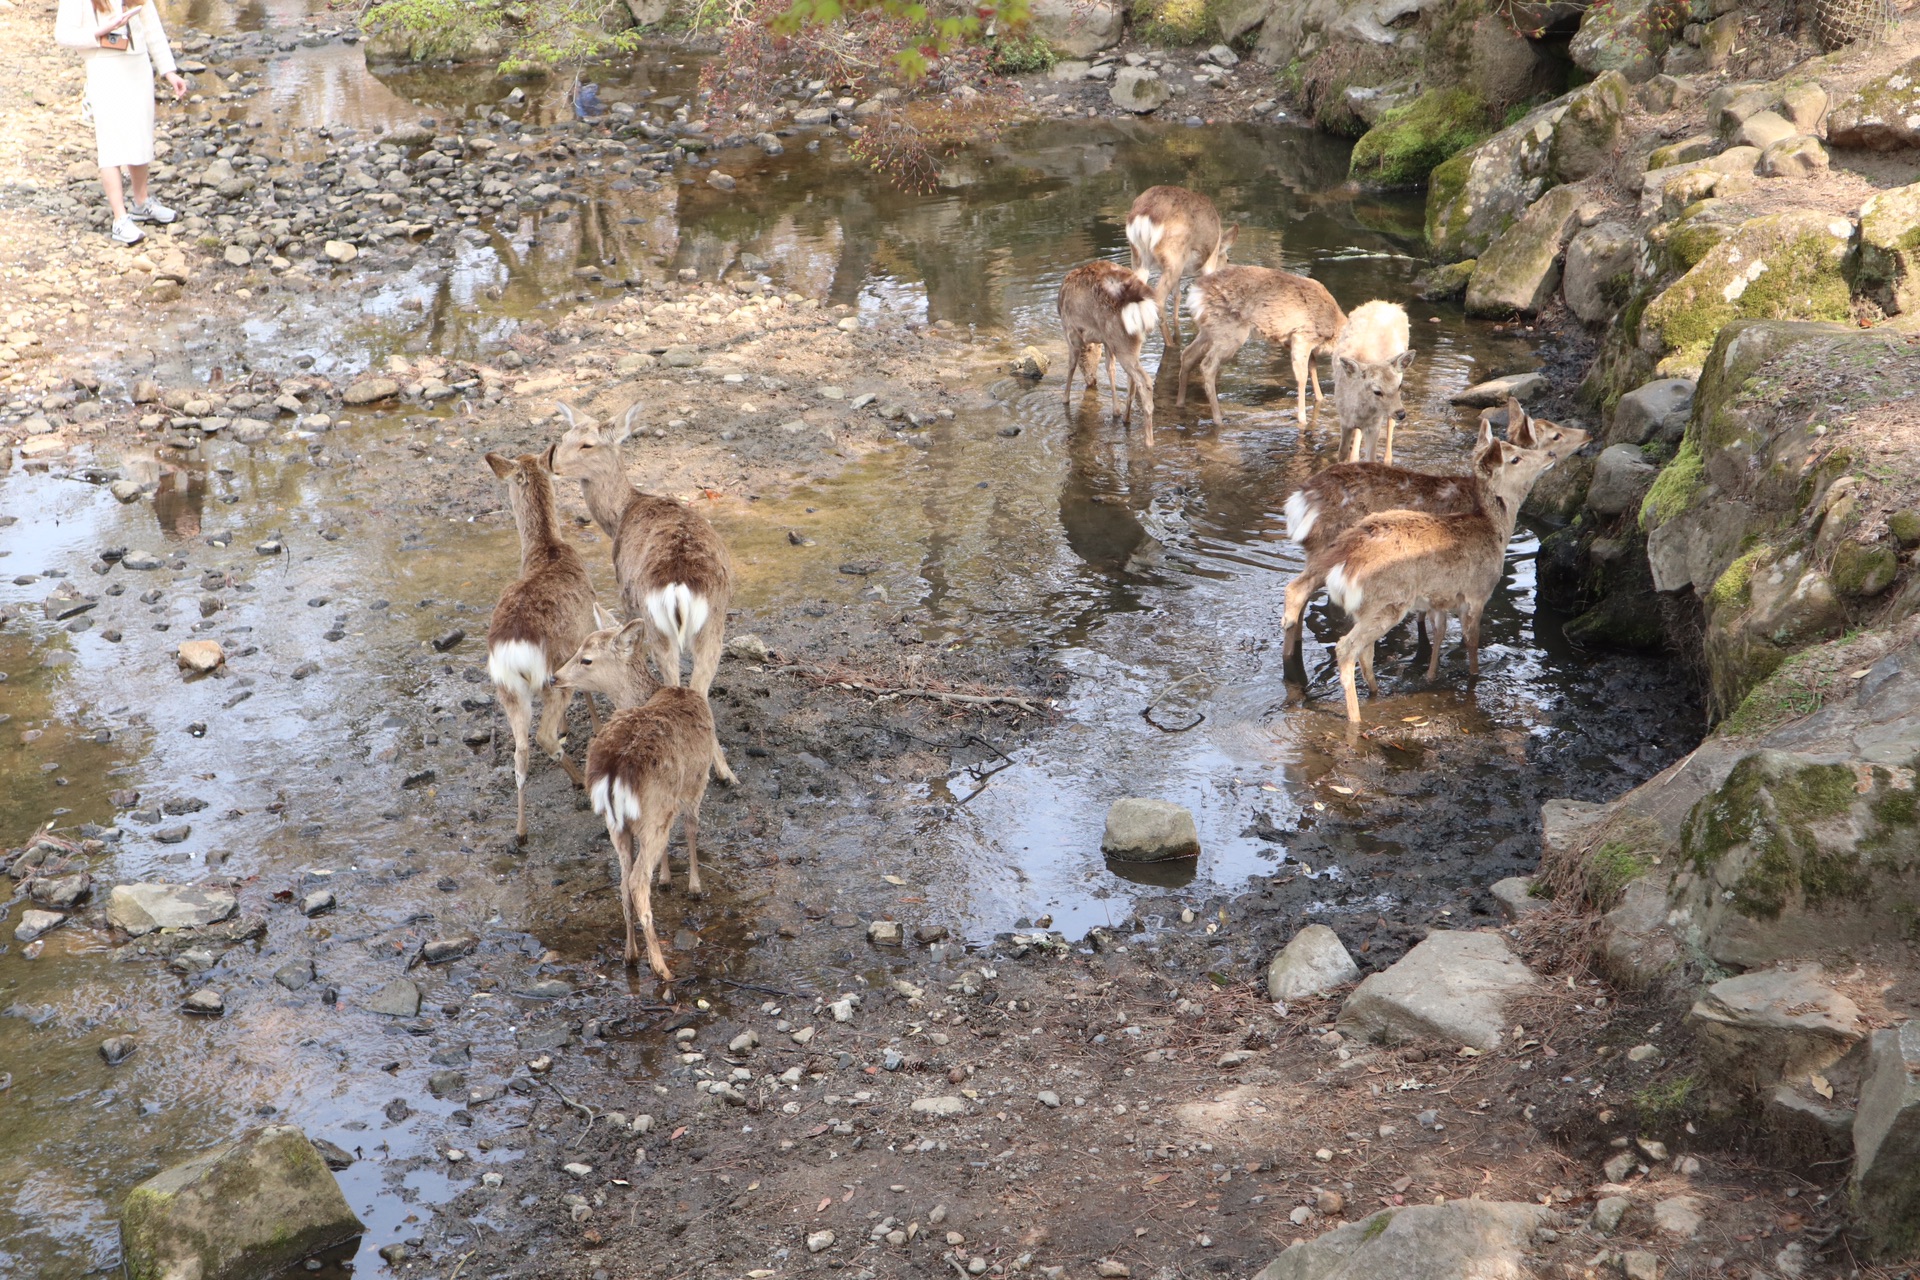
(1394, 562)
(646, 767)
(1104, 303)
(1178, 231)
(1370, 359)
(539, 623)
(1291, 311)
(1338, 498)
(674, 571)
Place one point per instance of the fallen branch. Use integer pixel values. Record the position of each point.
(843, 680)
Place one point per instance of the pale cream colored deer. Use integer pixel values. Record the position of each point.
(1105, 304)
(1178, 231)
(1232, 302)
(647, 767)
(1394, 562)
(1370, 360)
(674, 571)
(538, 624)
(1344, 494)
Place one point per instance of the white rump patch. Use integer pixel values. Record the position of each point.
(518, 666)
(677, 613)
(1343, 593)
(1197, 304)
(1143, 233)
(1302, 514)
(614, 800)
(1139, 318)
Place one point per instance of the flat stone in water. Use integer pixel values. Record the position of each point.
(142, 908)
(294, 975)
(547, 989)
(116, 1049)
(398, 999)
(206, 1001)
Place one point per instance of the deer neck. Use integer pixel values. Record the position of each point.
(539, 528)
(606, 490)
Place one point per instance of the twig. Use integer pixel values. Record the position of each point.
(907, 691)
(755, 986)
(1199, 718)
(581, 1107)
(461, 1265)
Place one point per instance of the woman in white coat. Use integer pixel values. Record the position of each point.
(123, 44)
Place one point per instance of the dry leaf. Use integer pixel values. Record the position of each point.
(893, 879)
(826, 1202)
(1340, 790)
(1821, 1087)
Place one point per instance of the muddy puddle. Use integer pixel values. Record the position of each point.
(342, 749)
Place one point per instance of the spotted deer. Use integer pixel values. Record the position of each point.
(1103, 303)
(674, 571)
(1370, 360)
(647, 767)
(1394, 562)
(1178, 231)
(1339, 497)
(539, 623)
(1290, 311)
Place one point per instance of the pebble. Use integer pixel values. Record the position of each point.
(1300, 1216)
(938, 1216)
(206, 1001)
(1641, 1052)
(819, 1241)
(1048, 1098)
(1329, 1202)
(577, 1170)
(200, 655)
(884, 933)
(1111, 1270)
(115, 1049)
(316, 902)
(294, 975)
(35, 923)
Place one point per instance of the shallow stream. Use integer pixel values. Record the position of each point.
(1153, 577)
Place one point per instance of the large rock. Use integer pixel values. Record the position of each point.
(1621, 477)
(1784, 266)
(1890, 249)
(1616, 38)
(1656, 411)
(370, 390)
(1886, 1143)
(1138, 89)
(1479, 193)
(1452, 987)
(144, 908)
(1795, 854)
(1772, 1026)
(1520, 271)
(1480, 1239)
(1312, 964)
(1140, 830)
(1077, 30)
(1637, 948)
(1599, 271)
(252, 1208)
(1407, 142)
(1798, 155)
(1882, 115)
(1287, 27)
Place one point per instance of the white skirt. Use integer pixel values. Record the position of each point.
(120, 94)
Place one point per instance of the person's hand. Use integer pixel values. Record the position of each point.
(177, 83)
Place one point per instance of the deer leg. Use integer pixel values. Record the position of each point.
(1437, 639)
(707, 647)
(665, 651)
(1173, 301)
(552, 736)
(691, 820)
(1344, 655)
(1189, 358)
(1366, 668)
(1470, 637)
(1299, 591)
(1387, 458)
(653, 852)
(1313, 368)
(1302, 366)
(623, 847)
(1137, 385)
(1113, 385)
(1075, 350)
(520, 717)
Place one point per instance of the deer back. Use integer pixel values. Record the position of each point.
(1103, 302)
(658, 752)
(662, 541)
(550, 604)
(1341, 496)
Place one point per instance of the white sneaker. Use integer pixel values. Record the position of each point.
(151, 211)
(125, 232)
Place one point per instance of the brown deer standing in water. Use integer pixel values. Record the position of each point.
(1231, 302)
(1178, 231)
(646, 767)
(1104, 303)
(1370, 359)
(674, 571)
(539, 623)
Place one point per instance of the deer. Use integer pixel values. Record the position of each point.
(1339, 497)
(1179, 231)
(1104, 303)
(674, 571)
(539, 623)
(1230, 302)
(1370, 360)
(1394, 562)
(647, 767)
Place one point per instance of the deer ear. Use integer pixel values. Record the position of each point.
(628, 421)
(602, 620)
(1404, 359)
(1485, 437)
(566, 411)
(502, 467)
(547, 458)
(1227, 238)
(1347, 368)
(630, 634)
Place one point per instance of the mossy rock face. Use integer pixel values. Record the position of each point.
(1863, 569)
(1882, 115)
(1678, 246)
(1788, 266)
(1446, 282)
(1479, 193)
(1796, 854)
(1905, 528)
(1890, 249)
(1619, 38)
(1520, 271)
(1621, 621)
(1407, 143)
(252, 1208)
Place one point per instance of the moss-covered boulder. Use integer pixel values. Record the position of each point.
(1481, 192)
(1890, 249)
(1446, 281)
(1796, 854)
(252, 1208)
(1520, 270)
(1598, 276)
(1882, 115)
(1621, 37)
(1408, 143)
(1783, 266)
(1863, 569)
